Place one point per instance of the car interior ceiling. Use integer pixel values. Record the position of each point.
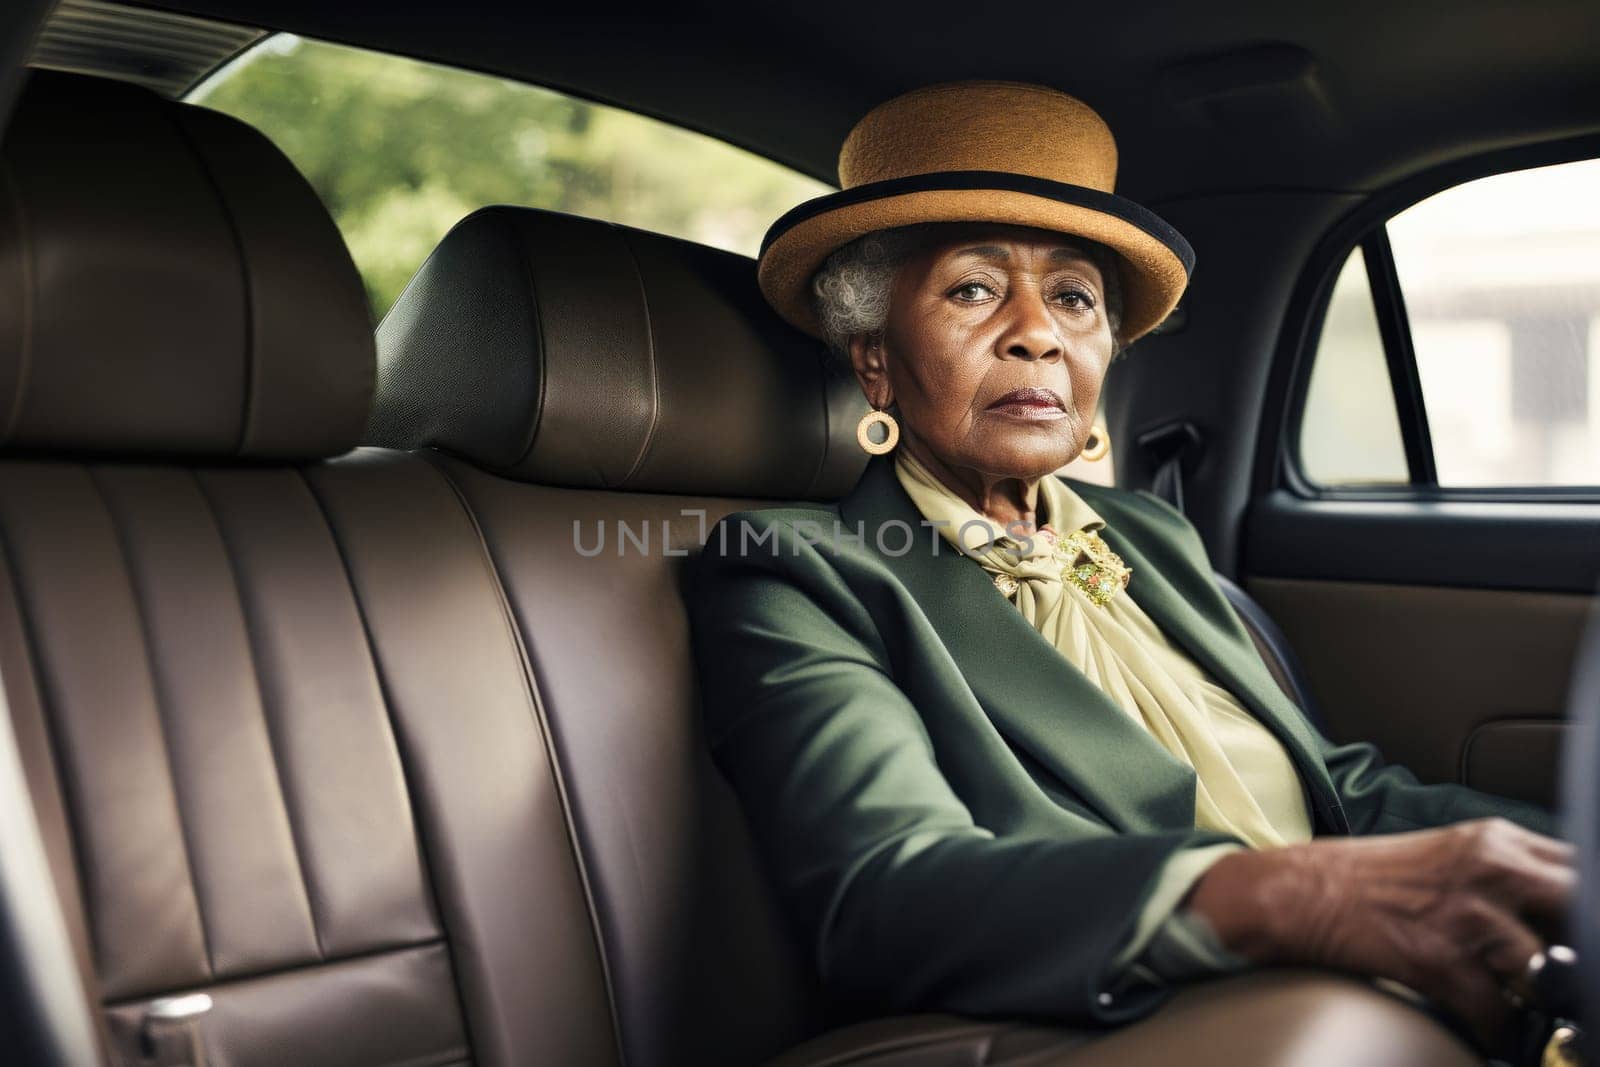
(249, 559)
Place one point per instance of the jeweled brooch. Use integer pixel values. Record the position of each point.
(1086, 561)
(1090, 564)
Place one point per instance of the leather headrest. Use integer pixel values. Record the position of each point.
(169, 285)
(565, 351)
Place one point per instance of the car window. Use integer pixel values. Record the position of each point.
(1350, 434)
(1500, 291)
(401, 150)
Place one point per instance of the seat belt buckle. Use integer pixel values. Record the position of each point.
(169, 1033)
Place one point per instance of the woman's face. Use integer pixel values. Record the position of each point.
(994, 350)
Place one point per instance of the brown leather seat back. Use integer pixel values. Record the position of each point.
(644, 384)
(274, 714)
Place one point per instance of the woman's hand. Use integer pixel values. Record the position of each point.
(1455, 913)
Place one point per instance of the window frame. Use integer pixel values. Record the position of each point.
(1280, 465)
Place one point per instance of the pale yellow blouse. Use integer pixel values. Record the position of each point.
(1245, 784)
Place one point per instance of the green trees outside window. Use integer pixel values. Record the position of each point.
(401, 150)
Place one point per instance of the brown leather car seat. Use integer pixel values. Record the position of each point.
(275, 720)
(600, 396)
(619, 370)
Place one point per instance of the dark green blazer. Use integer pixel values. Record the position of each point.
(953, 816)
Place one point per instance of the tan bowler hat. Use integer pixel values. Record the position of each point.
(979, 151)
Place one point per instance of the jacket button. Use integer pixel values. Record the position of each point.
(1105, 1000)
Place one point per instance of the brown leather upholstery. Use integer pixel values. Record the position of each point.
(278, 725)
(168, 286)
(294, 734)
(364, 746)
(701, 966)
(566, 351)
(1283, 1018)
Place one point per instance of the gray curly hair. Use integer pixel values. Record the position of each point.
(851, 288)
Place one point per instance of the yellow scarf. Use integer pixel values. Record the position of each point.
(1073, 589)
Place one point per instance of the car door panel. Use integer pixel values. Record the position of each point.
(1456, 683)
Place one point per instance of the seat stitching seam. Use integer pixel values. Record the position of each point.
(413, 809)
(64, 774)
(267, 719)
(251, 365)
(547, 733)
(293, 968)
(650, 350)
(541, 357)
(157, 691)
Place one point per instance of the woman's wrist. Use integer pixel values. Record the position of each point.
(1249, 900)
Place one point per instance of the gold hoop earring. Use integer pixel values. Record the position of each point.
(891, 433)
(1098, 445)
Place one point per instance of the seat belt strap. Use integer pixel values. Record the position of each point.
(1168, 481)
(1167, 447)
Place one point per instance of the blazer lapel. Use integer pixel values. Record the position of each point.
(1037, 699)
(1175, 589)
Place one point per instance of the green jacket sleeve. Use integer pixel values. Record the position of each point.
(1381, 798)
(903, 899)
(1170, 944)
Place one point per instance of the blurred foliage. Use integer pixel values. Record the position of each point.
(401, 150)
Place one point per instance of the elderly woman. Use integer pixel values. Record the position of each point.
(1002, 743)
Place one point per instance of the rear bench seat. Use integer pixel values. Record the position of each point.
(570, 376)
(356, 742)
(276, 721)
